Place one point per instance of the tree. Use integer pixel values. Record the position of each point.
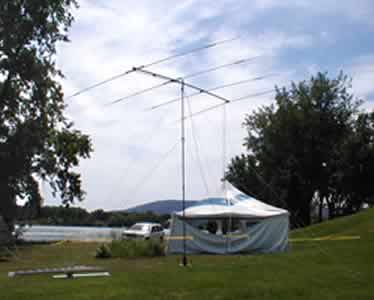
(37, 141)
(100, 216)
(351, 185)
(300, 149)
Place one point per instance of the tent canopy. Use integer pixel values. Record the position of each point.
(234, 204)
(260, 228)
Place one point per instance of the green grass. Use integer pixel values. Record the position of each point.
(311, 270)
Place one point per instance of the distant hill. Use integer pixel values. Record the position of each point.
(162, 207)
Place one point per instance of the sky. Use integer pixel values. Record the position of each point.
(137, 152)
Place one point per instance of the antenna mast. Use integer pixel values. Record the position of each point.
(183, 143)
(183, 84)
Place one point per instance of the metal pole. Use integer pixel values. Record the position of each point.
(224, 142)
(183, 141)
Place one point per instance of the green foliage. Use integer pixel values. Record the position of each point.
(76, 216)
(359, 224)
(5, 254)
(103, 251)
(354, 168)
(312, 146)
(310, 270)
(37, 141)
(137, 248)
(63, 215)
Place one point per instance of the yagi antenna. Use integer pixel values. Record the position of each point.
(171, 80)
(201, 72)
(182, 84)
(219, 87)
(156, 62)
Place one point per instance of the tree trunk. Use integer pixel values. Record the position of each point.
(8, 207)
(320, 208)
(331, 207)
(305, 215)
(5, 235)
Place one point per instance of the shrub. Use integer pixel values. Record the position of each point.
(103, 251)
(137, 248)
(5, 253)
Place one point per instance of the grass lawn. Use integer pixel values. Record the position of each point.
(325, 269)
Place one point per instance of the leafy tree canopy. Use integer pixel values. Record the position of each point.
(37, 141)
(311, 146)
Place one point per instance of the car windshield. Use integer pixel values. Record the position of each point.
(138, 227)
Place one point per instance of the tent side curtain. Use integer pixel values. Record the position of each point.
(259, 228)
(266, 236)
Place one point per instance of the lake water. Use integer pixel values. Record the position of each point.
(42, 233)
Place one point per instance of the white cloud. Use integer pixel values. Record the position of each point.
(360, 11)
(362, 72)
(130, 141)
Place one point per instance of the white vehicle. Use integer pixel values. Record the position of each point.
(144, 231)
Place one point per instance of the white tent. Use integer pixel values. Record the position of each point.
(235, 223)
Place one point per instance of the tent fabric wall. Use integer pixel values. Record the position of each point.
(263, 228)
(266, 236)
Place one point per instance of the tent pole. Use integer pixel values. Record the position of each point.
(183, 142)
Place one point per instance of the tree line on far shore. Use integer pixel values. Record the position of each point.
(76, 216)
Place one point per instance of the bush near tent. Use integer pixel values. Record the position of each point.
(133, 248)
(103, 251)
